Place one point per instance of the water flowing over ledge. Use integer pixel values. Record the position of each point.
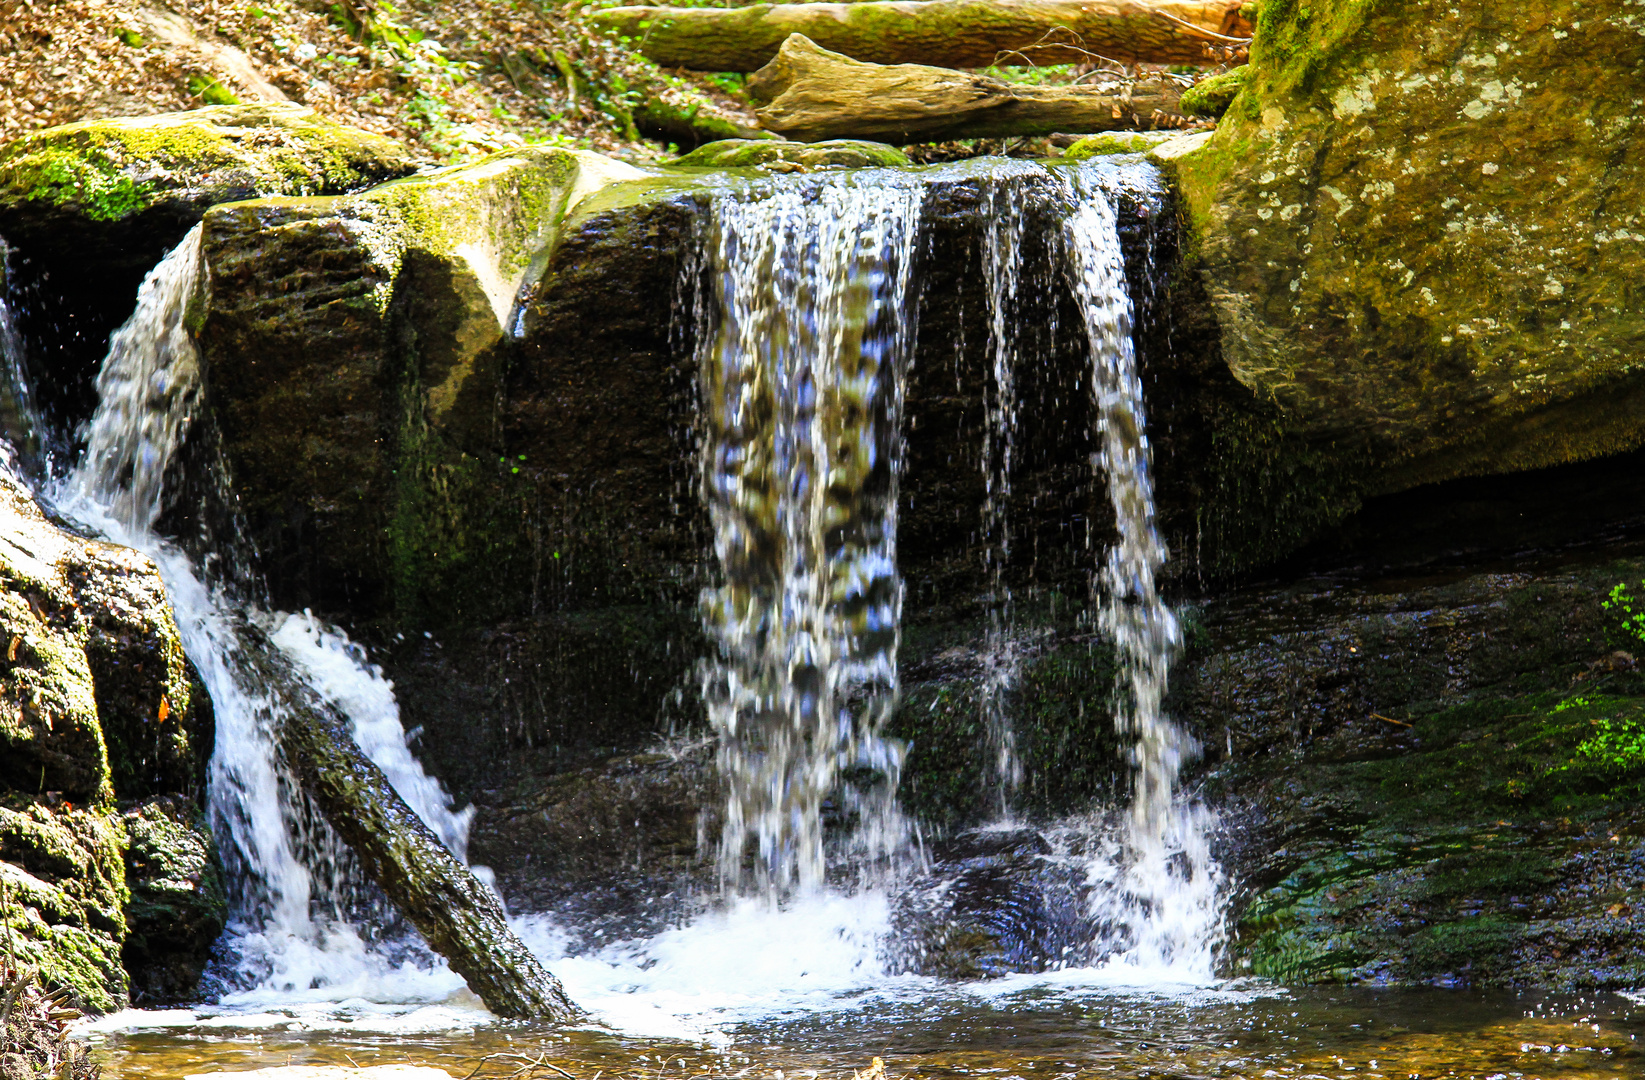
(805, 334)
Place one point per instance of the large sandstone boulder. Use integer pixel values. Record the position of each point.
(1420, 228)
(96, 696)
(353, 346)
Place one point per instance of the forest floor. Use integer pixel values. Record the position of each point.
(454, 79)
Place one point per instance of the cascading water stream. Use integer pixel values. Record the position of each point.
(801, 356)
(803, 341)
(801, 390)
(1163, 887)
(1002, 269)
(289, 869)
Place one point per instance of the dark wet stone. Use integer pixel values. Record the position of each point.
(178, 902)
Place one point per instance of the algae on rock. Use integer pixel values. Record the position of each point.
(1420, 228)
(88, 208)
(92, 672)
(778, 155)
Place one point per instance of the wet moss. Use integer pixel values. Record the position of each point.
(178, 904)
(1492, 837)
(64, 879)
(1267, 490)
(835, 153)
(1126, 142)
(1060, 709)
(1212, 97)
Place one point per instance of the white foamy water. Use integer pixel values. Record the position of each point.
(340, 672)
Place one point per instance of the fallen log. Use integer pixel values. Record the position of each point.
(460, 918)
(810, 94)
(950, 33)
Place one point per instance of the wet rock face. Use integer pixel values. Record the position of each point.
(88, 208)
(178, 902)
(1428, 779)
(994, 901)
(1420, 229)
(612, 849)
(96, 700)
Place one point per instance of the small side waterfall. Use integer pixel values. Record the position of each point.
(801, 390)
(1003, 269)
(291, 873)
(1163, 887)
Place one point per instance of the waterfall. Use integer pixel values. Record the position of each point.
(20, 427)
(1002, 270)
(290, 872)
(800, 366)
(1161, 888)
(801, 351)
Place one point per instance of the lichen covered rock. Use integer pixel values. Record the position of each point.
(1420, 228)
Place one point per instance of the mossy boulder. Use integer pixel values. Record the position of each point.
(65, 894)
(1121, 142)
(1420, 228)
(115, 169)
(95, 693)
(347, 451)
(178, 902)
(88, 208)
(779, 156)
(1211, 97)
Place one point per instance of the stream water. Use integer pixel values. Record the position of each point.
(804, 343)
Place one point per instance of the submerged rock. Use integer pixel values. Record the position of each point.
(1419, 228)
(994, 902)
(75, 616)
(778, 156)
